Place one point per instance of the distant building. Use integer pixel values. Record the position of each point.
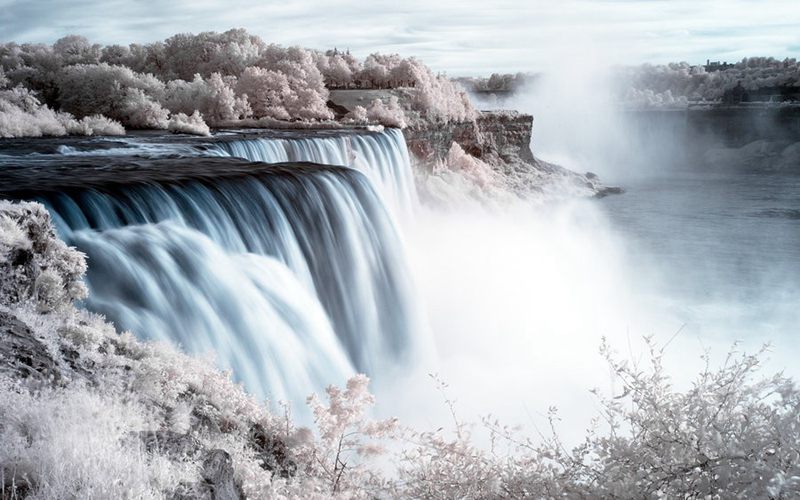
(717, 66)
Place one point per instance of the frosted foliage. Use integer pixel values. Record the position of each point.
(228, 53)
(305, 94)
(390, 115)
(649, 99)
(76, 49)
(114, 91)
(214, 98)
(193, 124)
(75, 442)
(35, 266)
(227, 77)
(461, 179)
(337, 68)
(22, 115)
(75, 429)
(439, 98)
(695, 83)
(731, 435)
(476, 170)
(94, 125)
(265, 91)
(116, 55)
(432, 97)
(346, 434)
(357, 115)
(17, 122)
(275, 94)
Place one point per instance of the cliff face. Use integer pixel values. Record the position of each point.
(504, 135)
(498, 143)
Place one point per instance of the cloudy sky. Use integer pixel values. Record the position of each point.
(460, 37)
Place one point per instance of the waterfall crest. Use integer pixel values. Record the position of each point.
(382, 156)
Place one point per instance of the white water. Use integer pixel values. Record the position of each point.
(294, 280)
(168, 282)
(382, 156)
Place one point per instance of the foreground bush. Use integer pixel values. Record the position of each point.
(732, 435)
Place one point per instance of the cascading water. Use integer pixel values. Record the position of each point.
(382, 156)
(168, 282)
(293, 276)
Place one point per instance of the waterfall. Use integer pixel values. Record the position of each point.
(171, 283)
(382, 156)
(294, 278)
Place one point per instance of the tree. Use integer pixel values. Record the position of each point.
(214, 98)
(114, 91)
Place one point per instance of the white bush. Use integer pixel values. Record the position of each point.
(95, 125)
(193, 124)
(357, 115)
(114, 91)
(214, 98)
(281, 95)
(229, 53)
(390, 115)
(226, 76)
(22, 115)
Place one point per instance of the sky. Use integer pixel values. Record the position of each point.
(464, 37)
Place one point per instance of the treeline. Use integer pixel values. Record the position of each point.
(683, 83)
(188, 81)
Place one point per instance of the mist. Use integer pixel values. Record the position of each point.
(520, 298)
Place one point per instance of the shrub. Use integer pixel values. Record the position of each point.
(214, 98)
(22, 115)
(193, 124)
(391, 114)
(114, 91)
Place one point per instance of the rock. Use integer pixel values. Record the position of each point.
(21, 354)
(218, 475)
(506, 135)
(272, 452)
(338, 110)
(172, 444)
(501, 139)
(608, 190)
(14, 488)
(218, 481)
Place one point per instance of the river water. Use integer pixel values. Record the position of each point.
(723, 247)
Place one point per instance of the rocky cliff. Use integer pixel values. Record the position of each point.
(499, 143)
(503, 135)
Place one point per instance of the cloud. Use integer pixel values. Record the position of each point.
(465, 37)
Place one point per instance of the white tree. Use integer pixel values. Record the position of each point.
(114, 91)
(214, 98)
